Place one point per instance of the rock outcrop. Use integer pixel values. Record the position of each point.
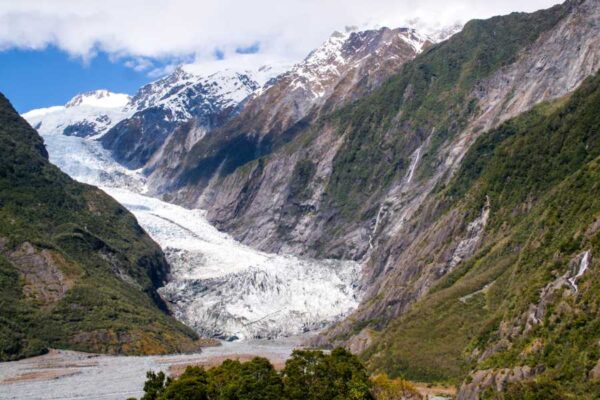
(494, 379)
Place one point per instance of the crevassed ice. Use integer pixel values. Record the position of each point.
(225, 289)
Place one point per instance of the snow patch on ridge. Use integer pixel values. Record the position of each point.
(101, 99)
(188, 89)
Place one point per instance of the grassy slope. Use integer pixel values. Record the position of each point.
(542, 174)
(93, 240)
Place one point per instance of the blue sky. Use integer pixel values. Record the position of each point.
(41, 78)
(34, 79)
(128, 43)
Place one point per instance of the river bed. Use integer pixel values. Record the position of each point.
(71, 375)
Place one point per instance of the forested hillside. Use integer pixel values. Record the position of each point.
(76, 269)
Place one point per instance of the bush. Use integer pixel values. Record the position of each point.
(385, 388)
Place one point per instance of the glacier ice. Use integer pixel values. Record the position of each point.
(218, 286)
(225, 289)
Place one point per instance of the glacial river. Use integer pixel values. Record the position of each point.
(69, 375)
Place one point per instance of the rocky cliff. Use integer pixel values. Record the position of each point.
(345, 68)
(519, 314)
(342, 184)
(414, 242)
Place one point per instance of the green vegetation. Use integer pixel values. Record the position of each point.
(308, 375)
(304, 171)
(432, 95)
(541, 172)
(76, 270)
(385, 388)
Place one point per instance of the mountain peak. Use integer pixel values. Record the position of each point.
(99, 98)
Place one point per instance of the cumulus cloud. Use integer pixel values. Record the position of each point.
(141, 31)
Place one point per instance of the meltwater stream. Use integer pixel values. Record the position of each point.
(69, 375)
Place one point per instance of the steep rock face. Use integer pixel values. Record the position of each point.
(496, 380)
(160, 107)
(527, 297)
(417, 244)
(73, 263)
(345, 68)
(368, 167)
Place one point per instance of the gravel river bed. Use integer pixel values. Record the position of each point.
(73, 375)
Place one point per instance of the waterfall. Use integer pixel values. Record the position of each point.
(583, 266)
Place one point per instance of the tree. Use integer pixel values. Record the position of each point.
(305, 376)
(312, 375)
(253, 380)
(154, 385)
(308, 375)
(191, 385)
(259, 381)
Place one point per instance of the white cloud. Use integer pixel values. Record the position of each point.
(143, 30)
(139, 64)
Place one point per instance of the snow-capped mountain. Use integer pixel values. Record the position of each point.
(87, 114)
(345, 68)
(347, 51)
(209, 100)
(185, 95)
(133, 128)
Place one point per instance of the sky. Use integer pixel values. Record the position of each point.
(51, 50)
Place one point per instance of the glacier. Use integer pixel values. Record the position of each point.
(225, 289)
(218, 286)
